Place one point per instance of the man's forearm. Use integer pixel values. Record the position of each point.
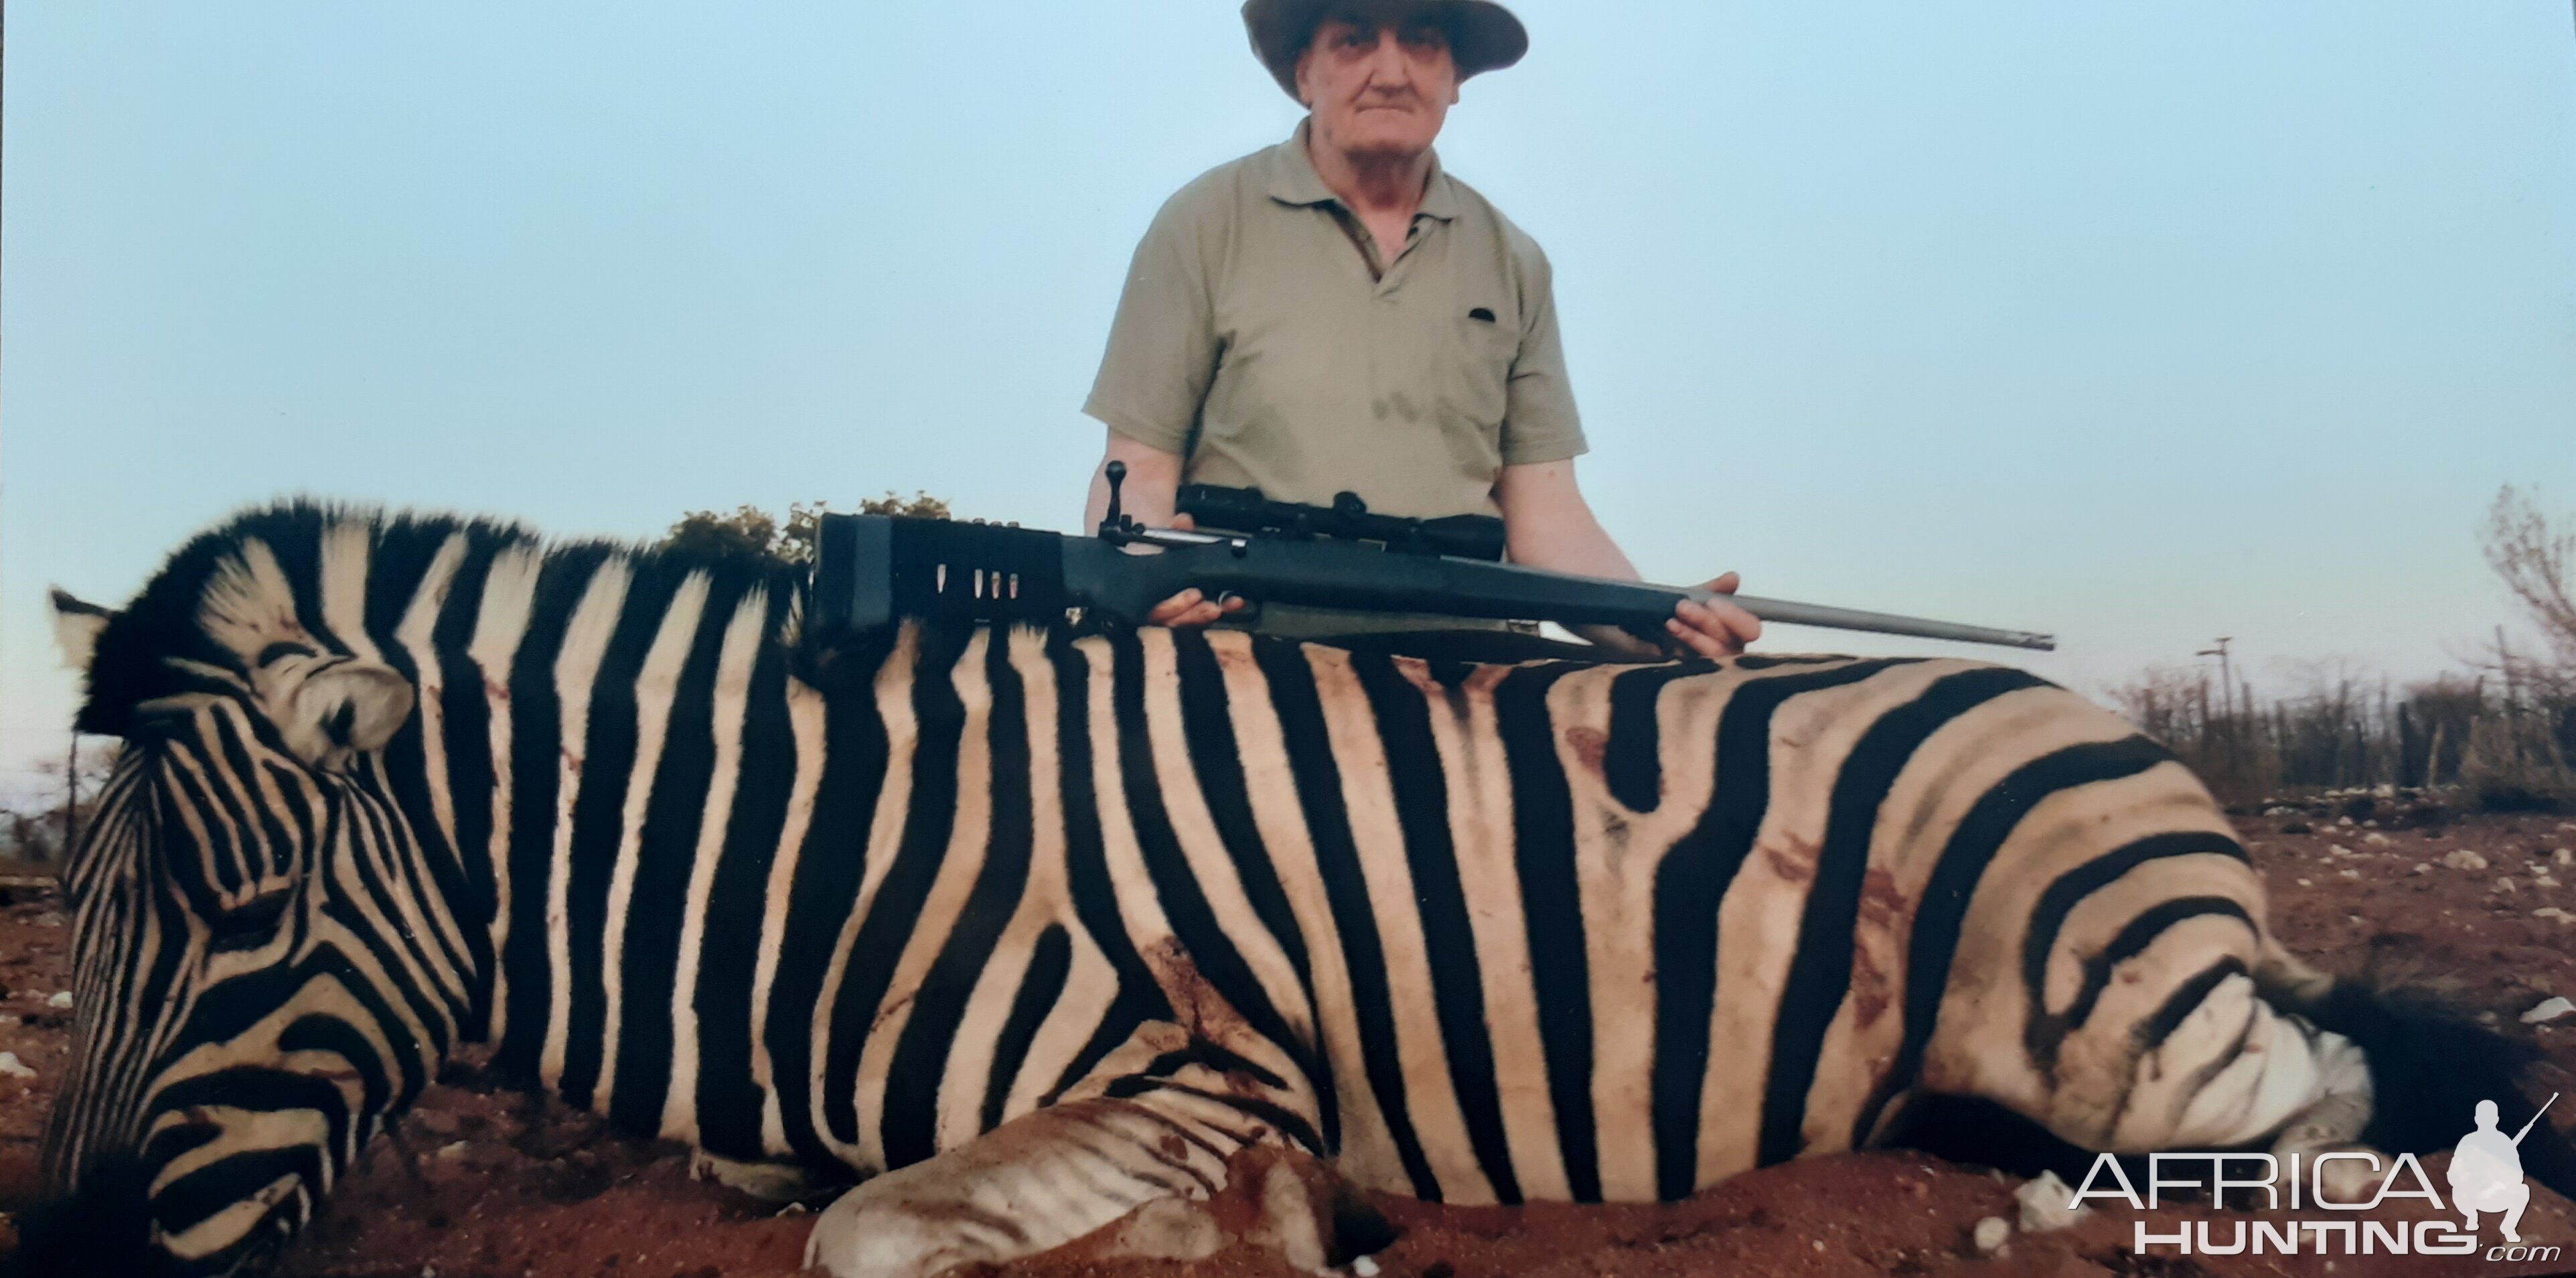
(1547, 524)
(1149, 492)
(1574, 545)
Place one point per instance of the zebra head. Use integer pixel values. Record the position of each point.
(256, 988)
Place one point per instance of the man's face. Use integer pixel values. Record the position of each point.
(1379, 79)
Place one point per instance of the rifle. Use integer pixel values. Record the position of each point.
(871, 570)
(2535, 1117)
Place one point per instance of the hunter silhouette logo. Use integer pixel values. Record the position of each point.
(2486, 1172)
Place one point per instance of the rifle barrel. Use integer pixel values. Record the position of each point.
(1805, 614)
(2535, 1117)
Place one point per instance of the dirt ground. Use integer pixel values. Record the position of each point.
(492, 1184)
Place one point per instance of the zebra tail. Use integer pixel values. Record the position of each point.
(2430, 1065)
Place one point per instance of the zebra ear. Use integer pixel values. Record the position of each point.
(347, 710)
(76, 628)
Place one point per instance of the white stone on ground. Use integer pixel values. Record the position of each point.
(1992, 1233)
(62, 999)
(2464, 859)
(13, 1067)
(2047, 1204)
(2549, 1010)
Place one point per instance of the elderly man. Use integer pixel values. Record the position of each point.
(1338, 313)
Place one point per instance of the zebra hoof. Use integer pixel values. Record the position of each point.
(1172, 1228)
(768, 1182)
(882, 1234)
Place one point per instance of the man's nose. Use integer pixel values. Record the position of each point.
(1389, 70)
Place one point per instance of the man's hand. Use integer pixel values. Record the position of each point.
(1715, 629)
(1190, 607)
(1153, 479)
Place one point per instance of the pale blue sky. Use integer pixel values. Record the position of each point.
(2137, 322)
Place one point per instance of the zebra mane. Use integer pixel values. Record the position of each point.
(146, 649)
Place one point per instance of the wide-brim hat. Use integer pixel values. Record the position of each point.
(1483, 35)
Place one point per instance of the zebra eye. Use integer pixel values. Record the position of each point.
(254, 922)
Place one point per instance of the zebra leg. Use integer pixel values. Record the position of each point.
(2334, 1121)
(1049, 1177)
(2215, 1065)
(1036, 1182)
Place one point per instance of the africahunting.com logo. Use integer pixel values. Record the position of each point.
(2485, 1179)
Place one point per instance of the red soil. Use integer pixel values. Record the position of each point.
(490, 1183)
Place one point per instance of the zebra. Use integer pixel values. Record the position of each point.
(1023, 928)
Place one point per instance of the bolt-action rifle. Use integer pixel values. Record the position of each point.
(871, 570)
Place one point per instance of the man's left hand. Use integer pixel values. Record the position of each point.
(1715, 629)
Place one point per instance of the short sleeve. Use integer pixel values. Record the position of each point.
(1539, 421)
(1162, 344)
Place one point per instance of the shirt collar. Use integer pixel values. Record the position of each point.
(1293, 179)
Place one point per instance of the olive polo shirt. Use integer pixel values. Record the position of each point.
(1261, 337)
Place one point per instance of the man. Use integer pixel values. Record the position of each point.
(1338, 313)
(2486, 1175)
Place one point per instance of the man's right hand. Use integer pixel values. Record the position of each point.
(1191, 607)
